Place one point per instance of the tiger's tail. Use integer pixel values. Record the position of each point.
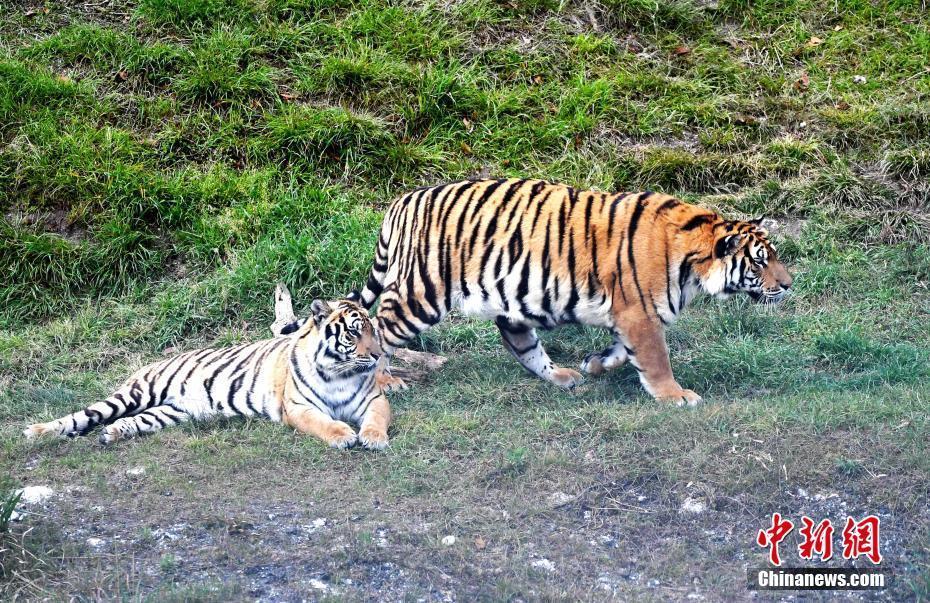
(379, 268)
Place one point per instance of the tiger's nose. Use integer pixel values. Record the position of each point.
(784, 280)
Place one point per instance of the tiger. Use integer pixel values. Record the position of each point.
(531, 254)
(316, 379)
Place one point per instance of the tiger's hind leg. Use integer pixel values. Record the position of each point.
(100, 413)
(610, 357)
(147, 421)
(523, 342)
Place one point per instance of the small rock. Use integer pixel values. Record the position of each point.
(135, 471)
(33, 495)
(95, 542)
(608, 540)
(803, 493)
(16, 515)
(543, 564)
(318, 584)
(448, 540)
(693, 506)
(558, 499)
(859, 79)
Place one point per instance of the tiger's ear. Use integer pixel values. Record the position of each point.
(726, 245)
(320, 310)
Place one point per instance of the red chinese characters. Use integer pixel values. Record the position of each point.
(817, 539)
(861, 538)
(772, 536)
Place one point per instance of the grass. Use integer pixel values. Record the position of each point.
(163, 163)
(7, 506)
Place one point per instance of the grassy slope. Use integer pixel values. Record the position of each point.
(162, 165)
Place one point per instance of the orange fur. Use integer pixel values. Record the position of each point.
(314, 380)
(530, 254)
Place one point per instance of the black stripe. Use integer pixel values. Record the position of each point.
(475, 206)
(668, 280)
(667, 205)
(460, 224)
(508, 195)
(296, 372)
(113, 407)
(540, 204)
(255, 375)
(563, 225)
(587, 216)
(698, 221)
(164, 390)
(594, 273)
(610, 215)
(572, 284)
(684, 273)
(196, 363)
(157, 416)
(631, 232)
(233, 388)
(523, 351)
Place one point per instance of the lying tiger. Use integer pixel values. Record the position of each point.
(313, 379)
(531, 254)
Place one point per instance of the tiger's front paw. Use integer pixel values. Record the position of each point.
(340, 435)
(684, 397)
(387, 382)
(566, 377)
(373, 438)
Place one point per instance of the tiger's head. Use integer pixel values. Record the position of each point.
(744, 260)
(347, 342)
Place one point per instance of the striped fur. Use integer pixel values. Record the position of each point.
(532, 254)
(315, 380)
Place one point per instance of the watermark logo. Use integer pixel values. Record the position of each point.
(774, 535)
(859, 539)
(818, 540)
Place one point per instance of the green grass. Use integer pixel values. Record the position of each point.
(8, 502)
(165, 162)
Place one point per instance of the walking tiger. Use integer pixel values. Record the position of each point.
(532, 254)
